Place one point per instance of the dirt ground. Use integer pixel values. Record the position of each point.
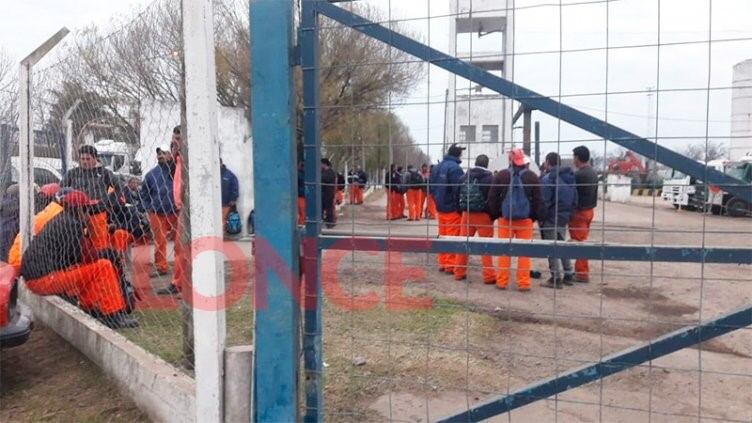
(477, 342)
(47, 380)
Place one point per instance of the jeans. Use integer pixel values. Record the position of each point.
(549, 231)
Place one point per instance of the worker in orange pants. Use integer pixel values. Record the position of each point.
(515, 199)
(415, 186)
(473, 200)
(62, 260)
(579, 230)
(395, 200)
(40, 220)
(94, 284)
(587, 200)
(519, 229)
(470, 223)
(430, 208)
(161, 225)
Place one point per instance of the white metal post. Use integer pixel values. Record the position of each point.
(68, 150)
(26, 135)
(26, 155)
(205, 212)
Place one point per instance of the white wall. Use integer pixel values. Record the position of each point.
(236, 149)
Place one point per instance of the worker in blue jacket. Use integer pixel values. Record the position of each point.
(445, 184)
(230, 190)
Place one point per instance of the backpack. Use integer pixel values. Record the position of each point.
(516, 204)
(233, 225)
(471, 198)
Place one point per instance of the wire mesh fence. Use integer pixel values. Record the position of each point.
(414, 336)
(415, 155)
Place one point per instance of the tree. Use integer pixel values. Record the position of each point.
(706, 152)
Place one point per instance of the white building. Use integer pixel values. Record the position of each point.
(481, 33)
(741, 111)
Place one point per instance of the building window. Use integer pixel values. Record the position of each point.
(490, 133)
(467, 133)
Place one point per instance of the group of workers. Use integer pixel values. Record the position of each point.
(332, 190)
(84, 225)
(560, 200)
(413, 187)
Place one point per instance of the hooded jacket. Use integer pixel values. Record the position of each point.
(559, 196)
(445, 180)
(230, 188)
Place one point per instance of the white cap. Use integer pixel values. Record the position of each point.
(527, 160)
(163, 147)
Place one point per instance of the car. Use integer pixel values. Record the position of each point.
(16, 321)
(46, 170)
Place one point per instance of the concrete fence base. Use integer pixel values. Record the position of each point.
(160, 390)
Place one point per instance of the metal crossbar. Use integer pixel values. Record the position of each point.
(536, 101)
(314, 242)
(607, 366)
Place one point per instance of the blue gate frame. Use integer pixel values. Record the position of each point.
(314, 242)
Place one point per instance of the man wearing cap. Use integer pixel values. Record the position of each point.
(395, 205)
(230, 190)
(158, 200)
(97, 183)
(445, 186)
(62, 260)
(520, 188)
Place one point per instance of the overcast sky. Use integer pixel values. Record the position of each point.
(684, 58)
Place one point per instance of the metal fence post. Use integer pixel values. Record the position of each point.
(206, 227)
(26, 135)
(276, 287)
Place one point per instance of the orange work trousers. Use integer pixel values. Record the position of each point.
(99, 233)
(339, 197)
(395, 205)
(431, 208)
(519, 229)
(579, 230)
(356, 194)
(449, 224)
(161, 225)
(413, 203)
(301, 210)
(179, 277)
(471, 223)
(96, 286)
(120, 240)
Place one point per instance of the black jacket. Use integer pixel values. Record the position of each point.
(328, 182)
(587, 188)
(94, 182)
(61, 244)
(394, 182)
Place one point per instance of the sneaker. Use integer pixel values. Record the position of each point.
(441, 270)
(119, 320)
(501, 287)
(168, 290)
(568, 280)
(535, 274)
(552, 283)
(489, 282)
(460, 278)
(523, 288)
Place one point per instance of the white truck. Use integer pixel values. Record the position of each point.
(688, 193)
(116, 156)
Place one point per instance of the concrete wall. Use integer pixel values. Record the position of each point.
(236, 148)
(160, 390)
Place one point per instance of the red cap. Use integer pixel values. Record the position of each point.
(78, 199)
(517, 156)
(49, 190)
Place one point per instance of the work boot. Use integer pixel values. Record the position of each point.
(568, 280)
(535, 274)
(553, 283)
(168, 290)
(119, 320)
